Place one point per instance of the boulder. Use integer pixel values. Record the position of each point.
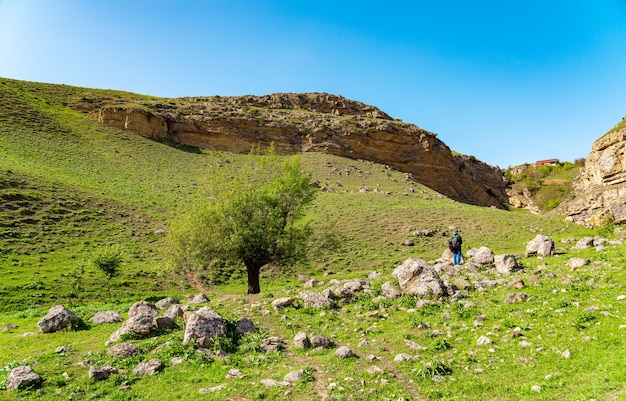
(321, 341)
(484, 256)
(164, 323)
(58, 318)
(123, 350)
(301, 341)
(166, 303)
(148, 368)
(98, 373)
(391, 291)
(576, 263)
(541, 245)
(9, 326)
(294, 376)
(199, 299)
(343, 352)
(174, 311)
(317, 300)
(203, 326)
(143, 308)
(105, 317)
(138, 325)
(516, 297)
(584, 243)
(271, 344)
(284, 302)
(245, 326)
(22, 377)
(416, 277)
(505, 264)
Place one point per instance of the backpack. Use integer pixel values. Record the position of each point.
(454, 244)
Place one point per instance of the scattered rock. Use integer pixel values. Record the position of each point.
(58, 318)
(517, 283)
(22, 377)
(284, 302)
(416, 277)
(483, 340)
(576, 263)
(245, 326)
(199, 299)
(165, 323)
(234, 374)
(321, 341)
(271, 344)
(148, 368)
(584, 243)
(375, 370)
(390, 291)
(515, 298)
(174, 311)
(138, 325)
(143, 308)
(212, 389)
(403, 358)
(123, 350)
(541, 245)
(343, 352)
(505, 264)
(166, 303)
(484, 256)
(318, 300)
(301, 341)
(98, 373)
(8, 327)
(105, 317)
(269, 383)
(204, 325)
(294, 376)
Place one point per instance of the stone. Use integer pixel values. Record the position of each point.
(294, 376)
(390, 291)
(138, 326)
(105, 317)
(9, 326)
(199, 299)
(576, 263)
(203, 326)
(98, 373)
(317, 300)
(174, 311)
(269, 383)
(515, 298)
(301, 341)
(123, 350)
(284, 302)
(244, 326)
(343, 352)
(58, 318)
(541, 245)
(143, 308)
(212, 389)
(271, 344)
(149, 368)
(484, 256)
(22, 377)
(403, 358)
(505, 264)
(166, 303)
(164, 323)
(321, 341)
(584, 243)
(517, 284)
(375, 370)
(483, 340)
(234, 374)
(416, 277)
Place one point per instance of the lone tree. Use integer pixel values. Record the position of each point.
(109, 261)
(253, 217)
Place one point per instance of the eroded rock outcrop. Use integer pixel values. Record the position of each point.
(600, 187)
(315, 122)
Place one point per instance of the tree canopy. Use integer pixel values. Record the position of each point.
(249, 219)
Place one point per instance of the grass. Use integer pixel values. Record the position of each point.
(70, 186)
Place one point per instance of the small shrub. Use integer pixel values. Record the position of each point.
(436, 367)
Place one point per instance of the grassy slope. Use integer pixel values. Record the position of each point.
(72, 185)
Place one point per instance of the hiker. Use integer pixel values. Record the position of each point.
(455, 246)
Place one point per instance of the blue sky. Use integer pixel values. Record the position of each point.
(506, 81)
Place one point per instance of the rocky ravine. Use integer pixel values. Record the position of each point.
(312, 122)
(600, 187)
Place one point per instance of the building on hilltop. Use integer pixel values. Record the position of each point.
(547, 161)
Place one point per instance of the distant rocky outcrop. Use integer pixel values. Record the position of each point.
(313, 122)
(600, 187)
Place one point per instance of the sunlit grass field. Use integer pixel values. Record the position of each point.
(69, 186)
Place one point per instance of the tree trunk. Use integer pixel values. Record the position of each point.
(253, 278)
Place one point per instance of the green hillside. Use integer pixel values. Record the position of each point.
(70, 186)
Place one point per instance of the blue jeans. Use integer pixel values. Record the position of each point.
(457, 257)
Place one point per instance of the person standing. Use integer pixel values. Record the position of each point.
(455, 246)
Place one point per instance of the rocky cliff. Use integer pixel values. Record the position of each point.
(600, 187)
(313, 122)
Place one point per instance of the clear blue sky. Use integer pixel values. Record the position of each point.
(505, 81)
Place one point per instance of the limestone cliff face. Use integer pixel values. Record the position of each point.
(315, 122)
(600, 187)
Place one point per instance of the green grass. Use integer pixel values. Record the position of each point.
(70, 187)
